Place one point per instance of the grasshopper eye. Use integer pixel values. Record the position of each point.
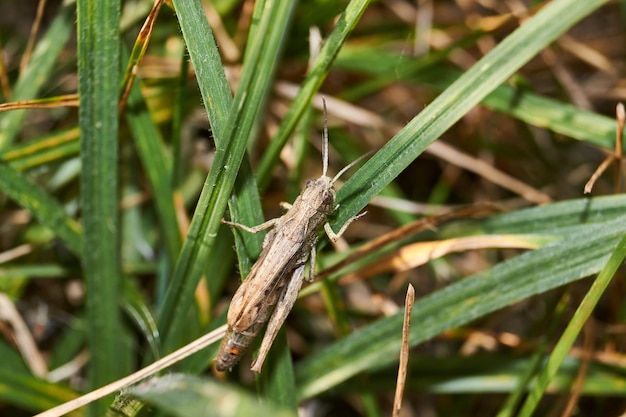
(309, 183)
(329, 196)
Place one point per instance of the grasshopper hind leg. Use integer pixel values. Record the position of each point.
(283, 307)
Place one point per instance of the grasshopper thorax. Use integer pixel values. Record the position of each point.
(319, 194)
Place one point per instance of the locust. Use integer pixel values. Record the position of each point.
(271, 288)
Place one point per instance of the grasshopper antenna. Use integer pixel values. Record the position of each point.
(351, 164)
(325, 141)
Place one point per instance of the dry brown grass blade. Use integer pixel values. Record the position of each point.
(452, 155)
(34, 30)
(23, 337)
(616, 157)
(404, 351)
(416, 254)
(138, 52)
(69, 100)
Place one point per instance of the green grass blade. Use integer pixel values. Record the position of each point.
(475, 84)
(377, 345)
(539, 111)
(99, 80)
(557, 218)
(309, 87)
(479, 374)
(37, 73)
(158, 169)
(216, 95)
(574, 327)
(207, 63)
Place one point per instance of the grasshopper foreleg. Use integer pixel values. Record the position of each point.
(255, 229)
(335, 236)
(283, 307)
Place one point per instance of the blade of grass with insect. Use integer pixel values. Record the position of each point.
(467, 91)
(531, 273)
(253, 87)
(44, 56)
(279, 384)
(99, 81)
(245, 203)
(573, 329)
(217, 100)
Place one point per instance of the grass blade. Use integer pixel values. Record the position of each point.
(99, 80)
(158, 169)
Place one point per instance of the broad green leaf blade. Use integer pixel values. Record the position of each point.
(475, 84)
(245, 109)
(557, 218)
(216, 95)
(99, 80)
(190, 396)
(575, 256)
(559, 117)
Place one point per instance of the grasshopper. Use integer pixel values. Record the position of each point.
(271, 288)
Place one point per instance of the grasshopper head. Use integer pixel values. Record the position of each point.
(319, 194)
